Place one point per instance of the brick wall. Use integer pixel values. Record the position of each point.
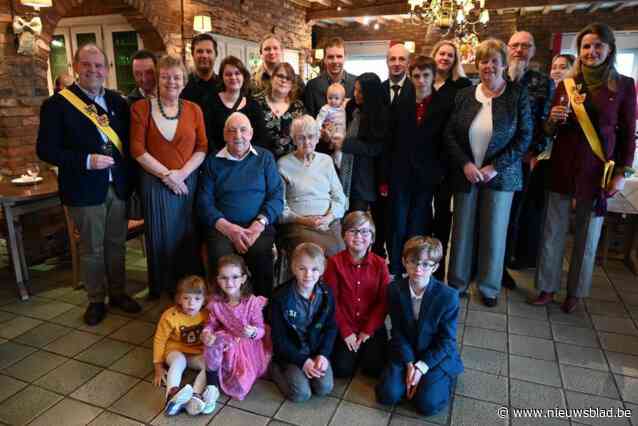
(23, 79)
(501, 26)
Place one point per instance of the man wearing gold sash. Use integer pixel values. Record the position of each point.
(84, 132)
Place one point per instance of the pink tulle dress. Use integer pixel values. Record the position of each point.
(238, 360)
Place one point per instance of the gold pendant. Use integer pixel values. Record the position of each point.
(91, 109)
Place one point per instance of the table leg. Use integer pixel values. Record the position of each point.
(16, 256)
(23, 258)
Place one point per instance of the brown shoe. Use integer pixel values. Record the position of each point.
(543, 299)
(569, 305)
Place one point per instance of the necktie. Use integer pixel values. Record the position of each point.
(395, 91)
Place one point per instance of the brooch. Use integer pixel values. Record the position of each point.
(103, 120)
(579, 98)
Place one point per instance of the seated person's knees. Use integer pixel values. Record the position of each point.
(322, 389)
(299, 395)
(429, 407)
(388, 395)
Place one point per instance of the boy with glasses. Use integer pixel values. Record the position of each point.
(424, 360)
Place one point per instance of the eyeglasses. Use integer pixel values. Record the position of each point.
(362, 232)
(522, 46)
(425, 264)
(283, 77)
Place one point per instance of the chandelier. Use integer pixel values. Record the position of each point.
(462, 16)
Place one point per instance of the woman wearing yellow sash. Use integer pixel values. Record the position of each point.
(593, 118)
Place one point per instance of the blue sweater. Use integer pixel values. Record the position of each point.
(239, 191)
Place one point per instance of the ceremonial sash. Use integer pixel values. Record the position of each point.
(90, 111)
(577, 101)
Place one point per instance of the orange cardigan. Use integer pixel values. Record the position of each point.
(190, 135)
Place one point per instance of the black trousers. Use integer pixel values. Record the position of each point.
(259, 258)
(371, 356)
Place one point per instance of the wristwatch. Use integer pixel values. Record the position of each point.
(262, 219)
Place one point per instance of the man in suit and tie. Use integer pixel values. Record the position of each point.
(424, 360)
(84, 131)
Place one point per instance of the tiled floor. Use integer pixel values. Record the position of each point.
(54, 370)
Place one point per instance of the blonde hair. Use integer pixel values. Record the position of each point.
(457, 69)
(237, 261)
(312, 251)
(334, 87)
(170, 61)
(491, 47)
(192, 284)
(419, 245)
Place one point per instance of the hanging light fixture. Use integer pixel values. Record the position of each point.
(457, 16)
(37, 4)
(202, 23)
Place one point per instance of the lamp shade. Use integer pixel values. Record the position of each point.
(319, 54)
(202, 24)
(410, 45)
(37, 3)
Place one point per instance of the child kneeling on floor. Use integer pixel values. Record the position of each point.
(424, 361)
(303, 328)
(177, 344)
(237, 343)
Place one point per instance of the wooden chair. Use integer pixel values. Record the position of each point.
(135, 230)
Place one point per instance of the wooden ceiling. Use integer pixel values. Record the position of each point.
(343, 13)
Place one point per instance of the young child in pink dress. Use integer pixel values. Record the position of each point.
(237, 343)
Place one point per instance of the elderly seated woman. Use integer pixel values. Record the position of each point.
(240, 198)
(314, 201)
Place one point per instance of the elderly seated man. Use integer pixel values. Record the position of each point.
(241, 195)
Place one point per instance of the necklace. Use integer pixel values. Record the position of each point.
(161, 108)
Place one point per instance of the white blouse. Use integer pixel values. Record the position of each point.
(166, 127)
(481, 128)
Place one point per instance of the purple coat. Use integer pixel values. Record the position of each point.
(575, 168)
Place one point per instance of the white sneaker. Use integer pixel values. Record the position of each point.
(196, 405)
(210, 396)
(178, 400)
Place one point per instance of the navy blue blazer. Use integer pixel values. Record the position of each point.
(431, 338)
(65, 139)
(321, 333)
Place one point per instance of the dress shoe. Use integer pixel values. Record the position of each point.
(125, 303)
(507, 281)
(490, 302)
(543, 298)
(569, 305)
(95, 313)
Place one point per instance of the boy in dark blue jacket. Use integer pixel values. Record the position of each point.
(303, 328)
(424, 361)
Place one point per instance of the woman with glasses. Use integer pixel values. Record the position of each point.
(233, 97)
(314, 202)
(486, 137)
(168, 140)
(359, 281)
(280, 104)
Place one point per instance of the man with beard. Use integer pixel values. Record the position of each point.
(334, 58)
(203, 81)
(524, 225)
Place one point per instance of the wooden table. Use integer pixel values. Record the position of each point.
(17, 201)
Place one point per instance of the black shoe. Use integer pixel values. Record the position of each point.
(508, 281)
(490, 302)
(95, 313)
(125, 303)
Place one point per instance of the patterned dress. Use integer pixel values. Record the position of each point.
(238, 360)
(278, 128)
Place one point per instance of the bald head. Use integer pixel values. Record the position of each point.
(397, 60)
(238, 133)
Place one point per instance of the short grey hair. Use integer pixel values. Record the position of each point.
(235, 115)
(304, 124)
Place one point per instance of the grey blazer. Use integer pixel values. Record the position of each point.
(511, 136)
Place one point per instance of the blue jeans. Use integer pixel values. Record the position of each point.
(432, 393)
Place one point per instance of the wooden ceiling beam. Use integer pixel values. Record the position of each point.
(622, 5)
(546, 10)
(594, 7)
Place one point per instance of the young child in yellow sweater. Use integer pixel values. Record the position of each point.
(178, 344)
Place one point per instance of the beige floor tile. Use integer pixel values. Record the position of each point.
(184, 419)
(623, 363)
(135, 363)
(615, 325)
(9, 386)
(483, 386)
(142, 403)
(486, 360)
(528, 327)
(27, 404)
(532, 347)
(264, 399)
(231, 416)
(42, 335)
(581, 401)
(580, 356)
(17, 326)
(72, 343)
(134, 332)
(483, 338)
(575, 335)
(489, 320)
(471, 412)
(361, 391)
(600, 307)
(112, 419)
(525, 310)
(619, 343)
(628, 387)
(357, 415)
(105, 352)
(110, 324)
(40, 308)
(534, 370)
(315, 412)
(105, 388)
(35, 366)
(589, 381)
(399, 420)
(11, 353)
(68, 377)
(68, 412)
(533, 395)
